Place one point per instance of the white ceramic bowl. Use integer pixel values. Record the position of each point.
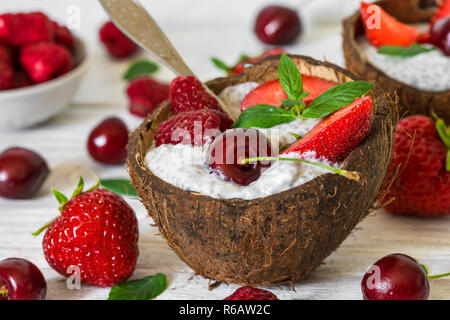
(25, 107)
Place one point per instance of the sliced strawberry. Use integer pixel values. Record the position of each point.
(272, 93)
(442, 12)
(385, 29)
(335, 137)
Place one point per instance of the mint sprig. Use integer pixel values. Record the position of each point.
(263, 116)
(143, 289)
(140, 68)
(119, 186)
(405, 52)
(334, 99)
(220, 64)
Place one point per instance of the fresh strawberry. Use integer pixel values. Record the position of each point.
(97, 232)
(21, 80)
(63, 36)
(383, 29)
(422, 182)
(6, 55)
(192, 127)
(442, 12)
(250, 293)
(25, 28)
(117, 43)
(145, 94)
(272, 93)
(45, 61)
(240, 67)
(336, 137)
(187, 94)
(6, 76)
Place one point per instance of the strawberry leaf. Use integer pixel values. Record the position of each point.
(220, 64)
(398, 51)
(147, 288)
(140, 68)
(444, 134)
(290, 78)
(336, 98)
(120, 186)
(263, 116)
(79, 189)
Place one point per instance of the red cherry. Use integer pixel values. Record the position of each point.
(22, 172)
(440, 35)
(395, 277)
(277, 25)
(107, 142)
(21, 280)
(231, 147)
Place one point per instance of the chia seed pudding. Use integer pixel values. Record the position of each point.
(184, 166)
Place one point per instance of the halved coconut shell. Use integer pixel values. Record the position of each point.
(411, 100)
(276, 239)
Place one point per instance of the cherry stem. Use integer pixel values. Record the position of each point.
(353, 175)
(39, 231)
(438, 276)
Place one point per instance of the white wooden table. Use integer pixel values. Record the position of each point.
(223, 29)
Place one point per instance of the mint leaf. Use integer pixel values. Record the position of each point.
(263, 116)
(336, 98)
(288, 103)
(120, 186)
(140, 68)
(398, 51)
(143, 289)
(243, 57)
(220, 64)
(290, 78)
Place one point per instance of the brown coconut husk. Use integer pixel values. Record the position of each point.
(276, 239)
(411, 100)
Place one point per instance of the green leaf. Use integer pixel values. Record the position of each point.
(290, 78)
(263, 116)
(444, 134)
(398, 51)
(288, 103)
(243, 57)
(120, 186)
(336, 98)
(220, 64)
(143, 289)
(79, 189)
(140, 68)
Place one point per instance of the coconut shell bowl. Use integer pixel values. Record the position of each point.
(411, 100)
(279, 238)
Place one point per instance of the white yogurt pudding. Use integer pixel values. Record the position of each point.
(429, 71)
(232, 96)
(184, 165)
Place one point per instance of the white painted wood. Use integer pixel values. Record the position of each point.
(212, 28)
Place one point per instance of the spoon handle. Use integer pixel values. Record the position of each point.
(132, 18)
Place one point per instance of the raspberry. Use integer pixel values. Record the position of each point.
(145, 94)
(117, 44)
(63, 36)
(6, 76)
(250, 293)
(182, 128)
(187, 94)
(45, 61)
(25, 28)
(97, 231)
(423, 186)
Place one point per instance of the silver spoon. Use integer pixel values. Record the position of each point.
(132, 18)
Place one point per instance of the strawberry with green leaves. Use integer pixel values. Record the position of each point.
(96, 232)
(346, 110)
